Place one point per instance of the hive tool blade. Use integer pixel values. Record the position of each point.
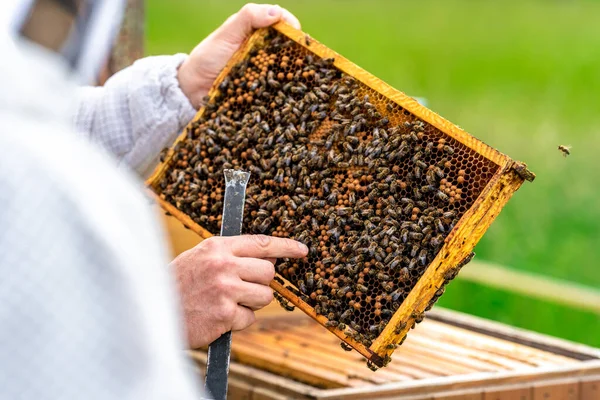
(219, 351)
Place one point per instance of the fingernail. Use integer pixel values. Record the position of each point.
(303, 247)
(273, 11)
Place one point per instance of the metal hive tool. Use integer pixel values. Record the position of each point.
(390, 197)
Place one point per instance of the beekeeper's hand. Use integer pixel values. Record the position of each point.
(223, 280)
(197, 74)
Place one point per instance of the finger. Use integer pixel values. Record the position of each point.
(244, 317)
(254, 270)
(290, 18)
(254, 296)
(262, 246)
(271, 260)
(253, 16)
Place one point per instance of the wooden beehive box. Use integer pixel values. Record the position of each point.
(451, 356)
(392, 197)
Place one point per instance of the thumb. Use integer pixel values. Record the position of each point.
(253, 16)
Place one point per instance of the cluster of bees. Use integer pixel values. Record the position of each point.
(370, 189)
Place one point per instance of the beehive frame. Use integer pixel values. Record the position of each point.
(458, 244)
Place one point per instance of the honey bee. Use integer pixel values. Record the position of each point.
(372, 366)
(307, 40)
(331, 324)
(565, 150)
(345, 346)
(400, 327)
(418, 316)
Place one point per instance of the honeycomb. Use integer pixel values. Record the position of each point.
(341, 162)
(371, 190)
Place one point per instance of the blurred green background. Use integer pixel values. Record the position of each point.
(523, 76)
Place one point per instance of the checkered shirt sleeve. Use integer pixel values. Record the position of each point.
(138, 112)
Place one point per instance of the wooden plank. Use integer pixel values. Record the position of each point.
(533, 285)
(589, 388)
(523, 392)
(467, 382)
(460, 395)
(563, 390)
(265, 394)
(533, 340)
(261, 357)
(319, 364)
(262, 379)
(238, 390)
(465, 355)
(493, 345)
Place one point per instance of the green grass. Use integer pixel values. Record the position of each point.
(523, 76)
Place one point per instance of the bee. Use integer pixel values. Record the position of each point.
(345, 346)
(331, 324)
(441, 195)
(302, 287)
(565, 150)
(439, 225)
(451, 274)
(307, 40)
(400, 327)
(423, 257)
(417, 316)
(310, 281)
(362, 288)
(283, 302)
(466, 260)
(387, 286)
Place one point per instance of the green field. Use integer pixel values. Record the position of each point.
(523, 76)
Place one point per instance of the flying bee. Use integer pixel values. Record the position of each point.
(565, 150)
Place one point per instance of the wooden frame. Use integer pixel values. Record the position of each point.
(458, 245)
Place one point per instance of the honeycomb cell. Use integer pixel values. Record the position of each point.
(371, 190)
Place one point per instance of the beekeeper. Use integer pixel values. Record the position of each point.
(89, 307)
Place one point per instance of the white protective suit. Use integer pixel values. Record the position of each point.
(88, 308)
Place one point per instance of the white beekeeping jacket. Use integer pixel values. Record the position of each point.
(88, 308)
